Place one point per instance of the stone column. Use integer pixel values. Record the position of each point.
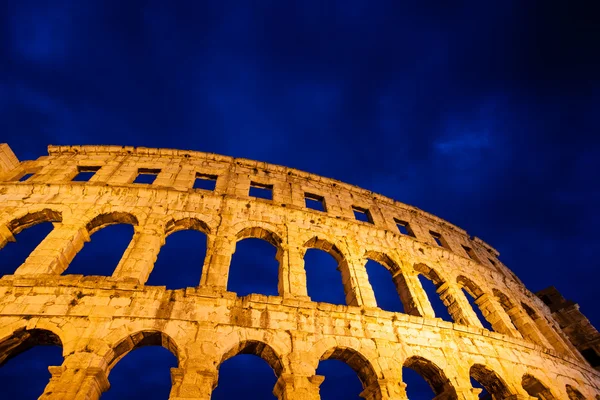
(356, 284)
(495, 314)
(192, 383)
(139, 257)
(54, 254)
(77, 379)
(385, 389)
(5, 236)
(469, 393)
(218, 258)
(520, 397)
(458, 306)
(526, 326)
(292, 275)
(298, 387)
(412, 295)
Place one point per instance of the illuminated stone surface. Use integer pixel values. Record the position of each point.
(98, 320)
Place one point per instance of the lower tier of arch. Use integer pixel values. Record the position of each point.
(97, 325)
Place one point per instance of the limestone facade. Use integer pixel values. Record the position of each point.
(99, 319)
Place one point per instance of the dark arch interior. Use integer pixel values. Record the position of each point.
(245, 374)
(381, 281)
(323, 279)
(431, 374)
(477, 310)
(102, 254)
(489, 381)
(535, 388)
(439, 308)
(417, 387)
(341, 382)
(254, 268)
(249, 367)
(128, 379)
(15, 253)
(24, 361)
(180, 260)
(573, 393)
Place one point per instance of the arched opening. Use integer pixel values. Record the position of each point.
(154, 382)
(342, 382)
(24, 360)
(110, 234)
(425, 380)
(28, 232)
(545, 329)
(389, 289)
(180, 261)
(125, 360)
(250, 367)
(431, 281)
(574, 394)
(490, 381)
(472, 293)
(324, 281)
(254, 266)
(535, 388)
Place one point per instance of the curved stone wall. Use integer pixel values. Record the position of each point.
(98, 320)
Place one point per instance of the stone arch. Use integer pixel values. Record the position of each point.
(110, 218)
(141, 339)
(491, 381)
(535, 388)
(573, 393)
(433, 375)
(384, 260)
(489, 311)
(519, 319)
(192, 223)
(327, 246)
(396, 277)
(257, 348)
(354, 359)
(352, 287)
(33, 218)
(547, 330)
(429, 273)
(258, 232)
(24, 339)
(442, 290)
(471, 287)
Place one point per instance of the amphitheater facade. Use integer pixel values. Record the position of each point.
(97, 320)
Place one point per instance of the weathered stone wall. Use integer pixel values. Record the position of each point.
(98, 320)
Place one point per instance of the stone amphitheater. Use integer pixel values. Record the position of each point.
(98, 320)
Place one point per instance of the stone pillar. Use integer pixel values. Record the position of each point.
(82, 376)
(469, 393)
(218, 258)
(5, 236)
(526, 326)
(292, 275)
(458, 305)
(412, 295)
(496, 316)
(139, 257)
(192, 383)
(54, 254)
(8, 160)
(298, 387)
(356, 284)
(385, 389)
(520, 397)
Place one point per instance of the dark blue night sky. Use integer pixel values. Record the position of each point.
(484, 113)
